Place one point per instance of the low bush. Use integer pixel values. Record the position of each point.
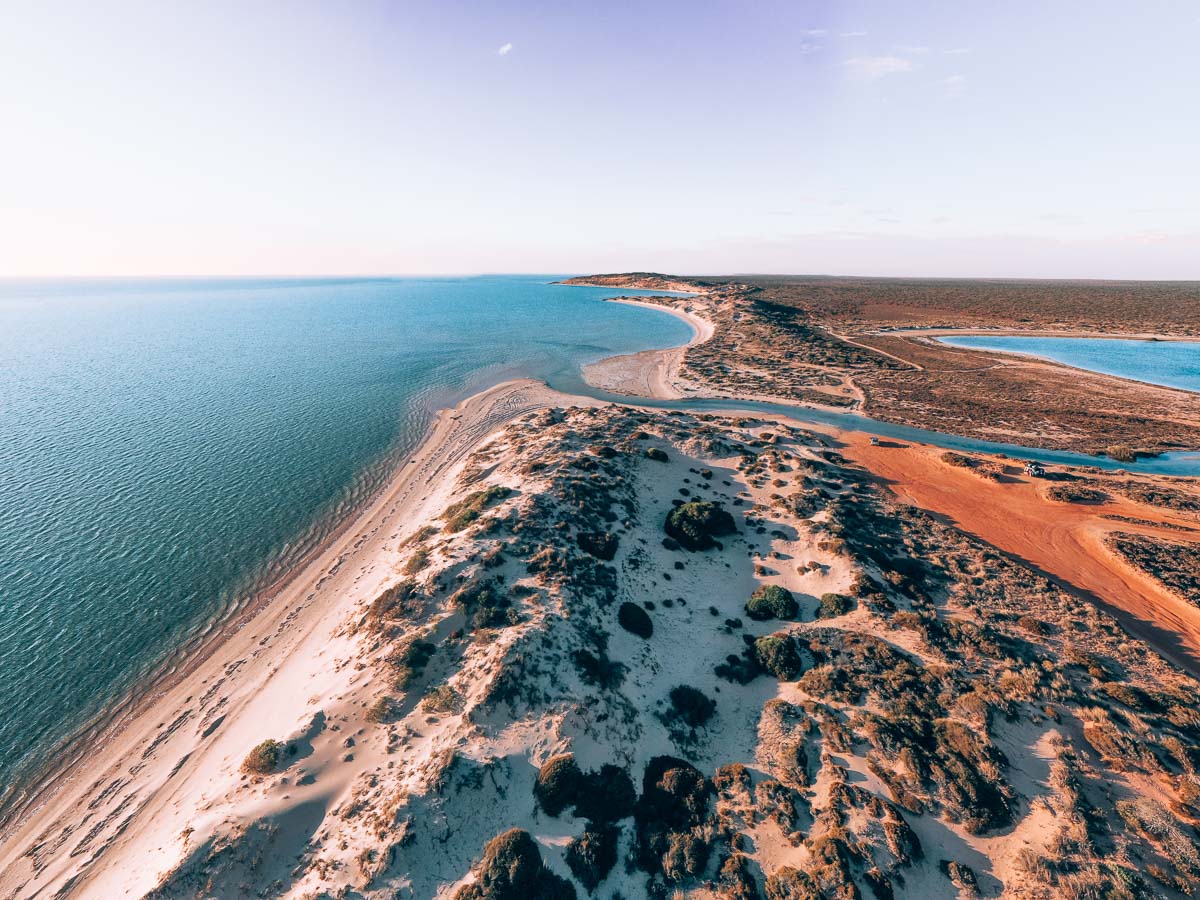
(592, 855)
(635, 620)
(691, 706)
(382, 710)
(512, 869)
(1072, 493)
(772, 602)
(461, 514)
(674, 802)
(833, 605)
(777, 654)
(695, 525)
(607, 795)
(1121, 453)
(655, 454)
(558, 785)
(263, 759)
(443, 699)
(602, 545)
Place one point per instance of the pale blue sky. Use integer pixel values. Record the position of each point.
(956, 138)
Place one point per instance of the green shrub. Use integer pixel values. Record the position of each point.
(695, 524)
(635, 620)
(833, 605)
(417, 562)
(686, 856)
(461, 514)
(263, 759)
(772, 602)
(778, 655)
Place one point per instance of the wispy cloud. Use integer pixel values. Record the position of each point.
(913, 51)
(848, 34)
(872, 67)
(814, 32)
(955, 85)
(505, 49)
(957, 51)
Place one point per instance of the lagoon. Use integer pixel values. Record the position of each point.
(1169, 363)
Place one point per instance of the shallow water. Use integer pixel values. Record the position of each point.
(1169, 363)
(166, 446)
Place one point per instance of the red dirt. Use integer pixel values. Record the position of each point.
(1065, 541)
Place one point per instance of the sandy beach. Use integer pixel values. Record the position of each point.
(651, 373)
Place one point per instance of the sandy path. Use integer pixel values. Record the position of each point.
(1062, 540)
(109, 825)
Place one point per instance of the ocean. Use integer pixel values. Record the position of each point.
(168, 446)
(1171, 363)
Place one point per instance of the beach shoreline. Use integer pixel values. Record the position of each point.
(128, 745)
(649, 373)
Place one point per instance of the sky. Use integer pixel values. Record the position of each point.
(964, 138)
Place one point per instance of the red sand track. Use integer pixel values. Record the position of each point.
(1063, 540)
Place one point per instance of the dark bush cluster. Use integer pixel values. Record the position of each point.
(669, 817)
(695, 525)
(486, 603)
(604, 795)
(512, 869)
(592, 855)
(391, 605)
(410, 661)
(602, 545)
(772, 602)
(690, 706)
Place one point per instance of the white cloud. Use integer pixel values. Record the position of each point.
(505, 49)
(872, 67)
(814, 32)
(913, 51)
(956, 51)
(849, 34)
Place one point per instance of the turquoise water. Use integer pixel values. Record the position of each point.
(1170, 363)
(167, 446)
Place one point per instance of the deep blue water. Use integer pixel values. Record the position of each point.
(1171, 363)
(166, 446)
